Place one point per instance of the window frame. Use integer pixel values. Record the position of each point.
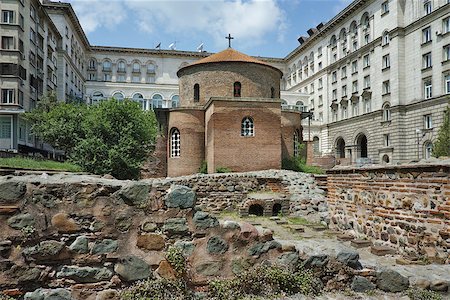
(175, 143)
(247, 127)
(428, 88)
(428, 121)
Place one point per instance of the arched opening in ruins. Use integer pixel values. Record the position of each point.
(256, 209)
(340, 148)
(276, 209)
(361, 141)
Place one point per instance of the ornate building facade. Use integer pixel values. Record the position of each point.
(375, 79)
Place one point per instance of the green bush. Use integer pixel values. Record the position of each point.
(177, 260)
(442, 145)
(157, 289)
(263, 281)
(223, 170)
(299, 164)
(203, 168)
(113, 137)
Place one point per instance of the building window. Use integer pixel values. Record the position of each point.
(428, 89)
(386, 87)
(384, 7)
(7, 96)
(272, 92)
(426, 35)
(446, 25)
(92, 64)
(33, 12)
(447, 84)
(386, 140)
(97, 97)
(386, 61)
(237, 89)
(175, 101)
(446, 52)
(334, 94)
(107, 77)
(355, 86)
(118, 96)
(121, 67)
(320, 100)
(106, 66)
(296, 143)
(320, 85)
(367, 82)
(319, 51)
(136, 67)
(354, 67)
(157, 101)
(355, 109)
(344, 112)
(121, 78)
(427, 7)
(92, 76)
(136, 79)
(344, 72)
(367, 106)
(175, 148)
(385, 159)
(247, 127)
(344, 90)
(8, 16)
(428, 150)
(366, 61)
(355, 45)
(196, 92)
(334, 77)
(386, 39)
(426, 59)
(151, 68)
(7, 42)
(334, 115)
(151, 79)
(386, 112)
(366, 39)
(5, 127)
(427, 122)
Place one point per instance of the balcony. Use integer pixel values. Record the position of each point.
(300, 108)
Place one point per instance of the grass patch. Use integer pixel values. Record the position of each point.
(298, 221)
(33, 164)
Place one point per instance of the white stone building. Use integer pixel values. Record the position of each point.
(375, 78)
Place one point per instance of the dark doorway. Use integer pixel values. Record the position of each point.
(276, 209)
(340, 148)
(256, 209)
(362, 146)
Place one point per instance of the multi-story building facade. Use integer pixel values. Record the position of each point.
(375, 78)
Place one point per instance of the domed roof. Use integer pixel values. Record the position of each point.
(230, 55)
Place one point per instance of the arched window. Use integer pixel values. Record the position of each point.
(385, 159)
(296, 143)
(107, 65)
(157, 101)
(385, 39)
(196, 92)
(175, 148)
(333, 41)
(97, 97)
(316, 148)
(354, 28)
(365, 20)
(311, 56)
(121, 67)
(175, 101)
(300, 106)
(151, 68)
(428, 150)
(118, 96)
(343, 35)
(136, 67)
(247, 127)
(139, 98)
(386, 112)
(272, 92)
(340, 148)
(237, 89)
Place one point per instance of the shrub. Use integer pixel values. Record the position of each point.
(157, 289)
(419, 294)
(223, 170)
(299, 164)
(177, 260)
(263, 281)
(203, 167)
(442, 145)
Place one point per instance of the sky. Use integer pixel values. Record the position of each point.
(267, 28)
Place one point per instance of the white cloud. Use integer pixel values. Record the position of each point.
(249, 21)
(94, 14)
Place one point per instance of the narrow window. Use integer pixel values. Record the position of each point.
(272, 92)
(175, 143)
(196, 92)
(247, 127)
(237, 89)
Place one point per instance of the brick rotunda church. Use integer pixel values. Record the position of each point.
(229, 116)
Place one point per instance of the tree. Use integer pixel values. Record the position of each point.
(442, 145)
(113, 137)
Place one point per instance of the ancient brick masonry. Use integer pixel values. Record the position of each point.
(407, 207)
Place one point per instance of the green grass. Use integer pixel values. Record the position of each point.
(298, 221)
(32, 164)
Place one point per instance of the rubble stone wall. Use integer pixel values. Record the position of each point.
(407, 206)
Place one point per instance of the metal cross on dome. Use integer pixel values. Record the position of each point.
(229, 38)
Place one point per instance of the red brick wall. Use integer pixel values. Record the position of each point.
(290, 121)
(407, 207)
(190, 123)
(227, 148)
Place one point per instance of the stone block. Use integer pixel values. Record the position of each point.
(204, 220)
(151, 241)
(180, 196)
(64, 224)
(216, 245)
(361, 243)
(11, 192)
(21, 221)
(104, 246)
(132, 268)
(85, 274)
(391, 281)
(382, 250)
(176, 226)
(361, 284)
